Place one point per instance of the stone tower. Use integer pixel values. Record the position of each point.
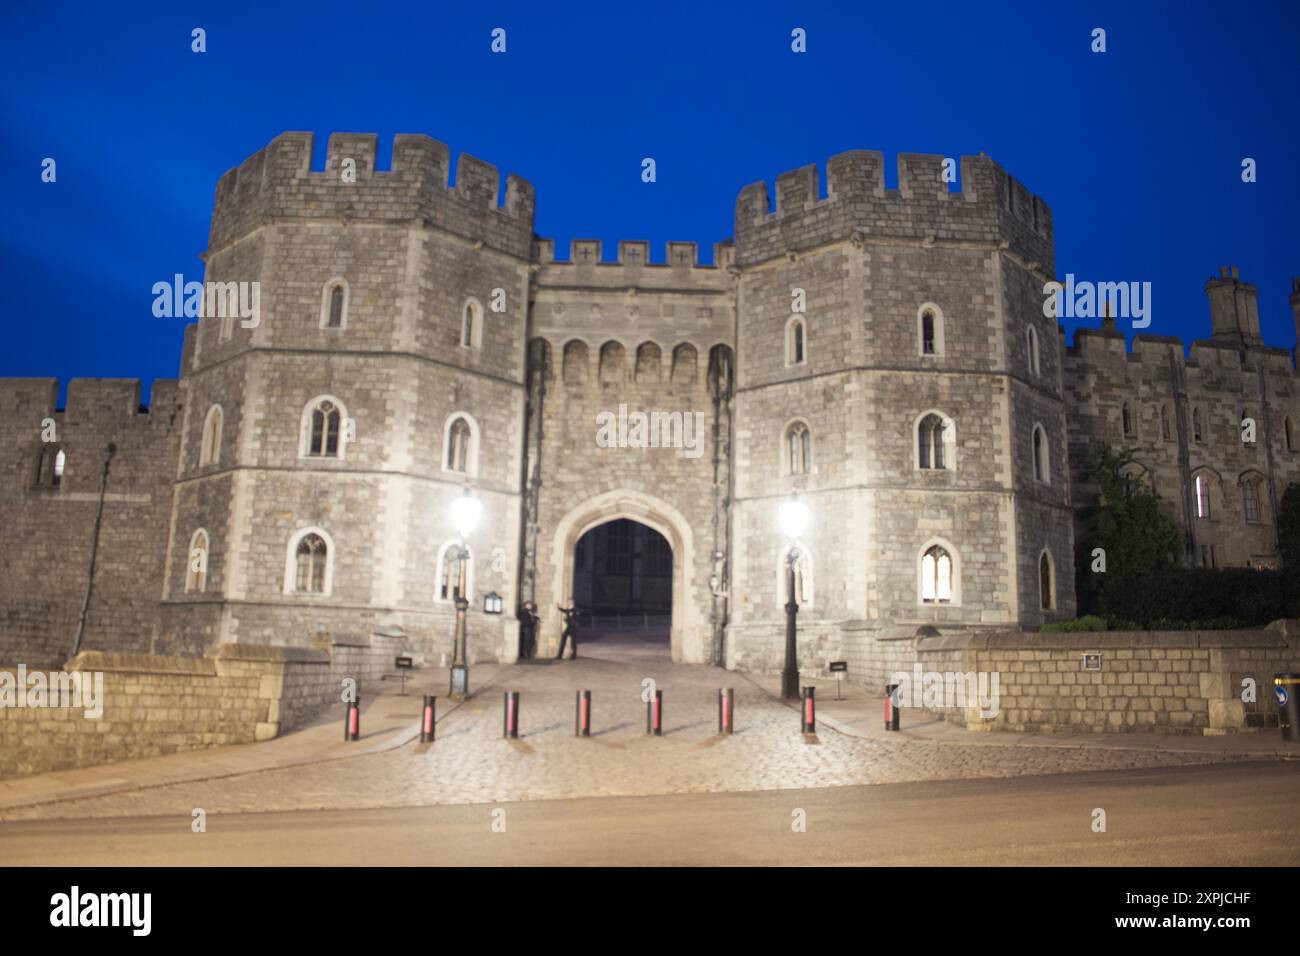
(915, 407)
(322, 445)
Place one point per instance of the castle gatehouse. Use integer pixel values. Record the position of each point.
(882, 354)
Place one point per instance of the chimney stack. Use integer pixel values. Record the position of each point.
(1234, 309)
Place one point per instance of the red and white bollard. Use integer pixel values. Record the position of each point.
(726, 711)
(809, 715)
(352, 720)
(654, 714)
(511, 725)
(891, 706)
(428, 719)
(582, 714)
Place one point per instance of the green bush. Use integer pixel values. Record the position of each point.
(1089, 622)
(1120, 514)
(1182, 598)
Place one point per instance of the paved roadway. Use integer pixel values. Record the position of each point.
(690, 796)
(469, 763)
(1243, 814)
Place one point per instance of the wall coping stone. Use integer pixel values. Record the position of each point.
(1105, 640)
(267, 652)
(891, 632)
(130, 662)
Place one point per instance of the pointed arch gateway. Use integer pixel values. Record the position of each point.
(688, 636)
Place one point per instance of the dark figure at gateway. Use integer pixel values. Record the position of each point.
(528, 624)
(570, 631)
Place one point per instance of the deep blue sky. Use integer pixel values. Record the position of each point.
(1137, 150)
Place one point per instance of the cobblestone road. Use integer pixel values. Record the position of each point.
(471, 763)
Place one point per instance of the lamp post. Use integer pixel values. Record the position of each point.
(465, 512)
(793, 518)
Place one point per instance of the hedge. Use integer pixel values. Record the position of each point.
(1089, 622)
(1199, 598)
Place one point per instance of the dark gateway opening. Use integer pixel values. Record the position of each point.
(623, 586)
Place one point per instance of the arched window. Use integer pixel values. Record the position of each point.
(798, 449)
(323, 429)
(929, 329)
(50, 462)
(1126, 416)
(936, 576)
(448, 573)
(1042, 463)
(803, 578)
(334, 304)
(210, 450)
(647, 362)
(1165, 431)
(794, 341)
(575, 362)
(196, 566)
(1046, 590)
(309, 563)
(1202, 497)
(462, 445)
(1031, 335)
(1250, 498)
(1196, 424)
(684, 359)
(471, 325)
(613, 362)
(936, 440)
(227, 309)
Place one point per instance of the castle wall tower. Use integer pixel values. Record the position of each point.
(923, 374)
(1234, 309)
(382, 380)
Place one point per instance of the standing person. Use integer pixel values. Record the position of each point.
(570, 632)
(528, 631)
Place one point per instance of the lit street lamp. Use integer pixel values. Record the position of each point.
(465, 512)
(793, 518)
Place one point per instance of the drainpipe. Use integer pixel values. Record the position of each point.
(109, 450)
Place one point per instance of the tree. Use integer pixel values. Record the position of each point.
(1288, 529)
(1125, 522)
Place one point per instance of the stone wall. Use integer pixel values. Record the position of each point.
(1180, 682)
(154, 704)
(47, 530)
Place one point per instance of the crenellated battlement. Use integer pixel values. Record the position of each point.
(278, 183)
(990, 207)
(98, 401)
(1099, 346)
(634, 253)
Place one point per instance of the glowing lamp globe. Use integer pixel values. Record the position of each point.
(465, 512)
(793, 518)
